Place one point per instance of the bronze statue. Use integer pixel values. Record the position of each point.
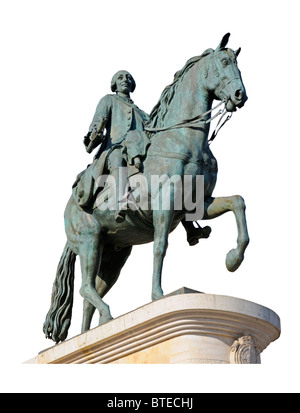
(172, 142)
(125, 143)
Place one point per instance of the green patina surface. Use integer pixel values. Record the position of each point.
(171, 141)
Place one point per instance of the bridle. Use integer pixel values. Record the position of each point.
(199, 121)
(217, 128)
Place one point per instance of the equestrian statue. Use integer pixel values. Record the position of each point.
(120, 199)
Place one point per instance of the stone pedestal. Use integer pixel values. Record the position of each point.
(183, 327)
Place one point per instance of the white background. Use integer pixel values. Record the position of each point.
(57, 60)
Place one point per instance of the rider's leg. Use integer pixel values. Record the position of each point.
(117, 170)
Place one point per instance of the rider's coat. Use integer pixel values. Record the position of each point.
(122, 116)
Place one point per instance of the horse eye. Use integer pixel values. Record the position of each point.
(225, 62)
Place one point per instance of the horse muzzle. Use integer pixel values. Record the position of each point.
(236, 100)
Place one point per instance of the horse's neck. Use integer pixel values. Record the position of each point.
(191, 98)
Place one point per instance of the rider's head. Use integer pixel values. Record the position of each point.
(122, 81)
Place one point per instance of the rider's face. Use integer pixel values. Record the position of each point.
(123, 82)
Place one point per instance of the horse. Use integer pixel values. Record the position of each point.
(179, 147)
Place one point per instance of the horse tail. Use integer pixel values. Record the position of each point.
(58, 318)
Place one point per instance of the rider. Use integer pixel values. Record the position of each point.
(125, 139)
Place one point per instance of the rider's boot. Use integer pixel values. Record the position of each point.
(123, 201)
(193, 234)
(125, 204)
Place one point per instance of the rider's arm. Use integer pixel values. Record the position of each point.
(102, 111)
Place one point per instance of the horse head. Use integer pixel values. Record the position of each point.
(223, 78)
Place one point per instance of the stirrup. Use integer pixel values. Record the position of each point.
(120, 216)
(195, 234)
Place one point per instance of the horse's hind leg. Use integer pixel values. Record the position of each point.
(108, 274)
(214, 207)
(90, 259)
(89, 309)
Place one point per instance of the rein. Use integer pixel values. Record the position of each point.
(216, 131)
(188, 123)
(197, 121)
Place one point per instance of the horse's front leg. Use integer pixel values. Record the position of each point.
(161, 222)
(214, 207)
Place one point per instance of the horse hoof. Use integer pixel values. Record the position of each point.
(157, 295)
(104, 319)
(233, 260)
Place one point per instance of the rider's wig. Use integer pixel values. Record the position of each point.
(113, 84)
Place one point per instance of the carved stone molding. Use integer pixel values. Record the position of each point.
(244, 351)
(193, 328)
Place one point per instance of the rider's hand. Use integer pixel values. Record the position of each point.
(86, 139)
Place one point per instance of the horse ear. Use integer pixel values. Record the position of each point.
(223, 42)
(237, 52)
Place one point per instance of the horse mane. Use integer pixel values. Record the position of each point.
(159, 111)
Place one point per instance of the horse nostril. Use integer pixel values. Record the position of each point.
(239, 94)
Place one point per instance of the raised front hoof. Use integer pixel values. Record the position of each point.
(156, 295)
(233, 260)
